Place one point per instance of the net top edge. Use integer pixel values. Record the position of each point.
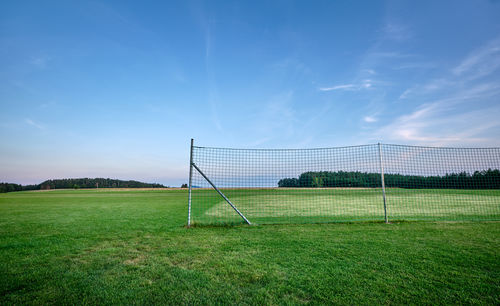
(347, 147)
(281, 149)
(436, 147)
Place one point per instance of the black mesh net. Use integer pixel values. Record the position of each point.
(345, 184)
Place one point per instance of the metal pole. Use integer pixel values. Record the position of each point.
(383, 180)
(190, 179)
(222, 195)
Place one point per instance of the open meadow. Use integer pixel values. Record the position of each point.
(132, 247)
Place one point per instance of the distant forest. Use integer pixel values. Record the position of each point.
(488, 179)
(78, 183)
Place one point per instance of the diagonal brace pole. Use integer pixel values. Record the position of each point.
(221, 194)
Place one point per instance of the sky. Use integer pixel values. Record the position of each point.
(118, 88)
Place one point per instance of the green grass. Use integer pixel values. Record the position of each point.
(131, 247)
(304, 205)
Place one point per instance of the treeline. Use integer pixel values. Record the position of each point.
(8, 187)
(488, 179)
(78, 183)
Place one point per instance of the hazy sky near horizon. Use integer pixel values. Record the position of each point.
(117, 88)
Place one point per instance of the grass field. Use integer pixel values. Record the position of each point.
(304, 205)
(131, 247)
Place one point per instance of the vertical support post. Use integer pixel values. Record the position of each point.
(383, 180)
(190, 180)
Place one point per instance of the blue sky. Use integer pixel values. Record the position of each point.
(117, 89)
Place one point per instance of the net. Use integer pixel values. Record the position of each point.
(344, 184)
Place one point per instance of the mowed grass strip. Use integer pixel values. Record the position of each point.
(131, 247)
(310, 205)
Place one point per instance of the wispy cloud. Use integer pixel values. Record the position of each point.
(406, 93)
(449, 121)
(276, 117)
(282, 122)
(260, 141)
(458, 107)
(380, 59)
(427, 127)
(396, 31)
(415, 65)
(208, 38)
(453, 116)
(41, 62)
(208, 25)
(365, 84)
(432, 86)
(48, 104)
(481, 62)
(370, 119)
(390, 55)
(337, 87)
(34, 124)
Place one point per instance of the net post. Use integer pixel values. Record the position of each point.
(190, 180)
(383, 180)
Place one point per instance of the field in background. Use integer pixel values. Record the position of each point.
(315, 205)
(88, 246)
